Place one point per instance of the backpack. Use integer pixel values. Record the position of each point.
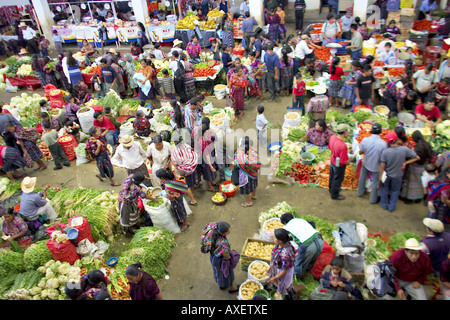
(179, 74)
(206, 238)
(380, 279)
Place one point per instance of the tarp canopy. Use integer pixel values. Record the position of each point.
(14, 3)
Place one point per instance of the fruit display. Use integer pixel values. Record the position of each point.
(79, 56)
(214, 13)
(273, 224)
(248, 289)
(187, 22)
(218, 197)
(259, 250)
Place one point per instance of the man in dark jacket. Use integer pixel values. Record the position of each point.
(437, 242)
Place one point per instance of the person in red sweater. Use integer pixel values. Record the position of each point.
(335, 86)
(107, 128)
(339, 160)
(428, 113)
(412, 267)
(298, 92)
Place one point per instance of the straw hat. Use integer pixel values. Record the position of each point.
(126, 140)
(22, 24)
(23, 51)
(434, 225)
(177, 42)
(412, 244)
(112, 50)
(28, 184)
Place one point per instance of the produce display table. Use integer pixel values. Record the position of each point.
(24, 81)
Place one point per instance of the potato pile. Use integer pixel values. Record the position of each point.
(259, 250)
(259, 270)
(272, 224)
(248, 289)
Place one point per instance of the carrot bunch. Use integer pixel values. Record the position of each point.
(422, 25)
(47, 156)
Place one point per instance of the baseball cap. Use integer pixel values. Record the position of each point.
(376, 128)
(391, 137)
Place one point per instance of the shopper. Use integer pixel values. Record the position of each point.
(339, 161)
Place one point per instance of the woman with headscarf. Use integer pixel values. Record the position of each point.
(73, 69)
(189, 80)
(281, 270)
(174, 191)
(204, 138)
(220, 251)
(142, 285)
(273, 20)
(118, 70)
(129, 210)
(238, 87)
(131, 70)
(412, 189)
(247, 160)
(97, 146)
(147, 71)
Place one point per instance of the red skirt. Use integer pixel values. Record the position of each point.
(238, 94)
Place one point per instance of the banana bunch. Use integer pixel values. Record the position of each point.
(187, 22)
(214, 13)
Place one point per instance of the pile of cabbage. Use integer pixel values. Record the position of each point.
(52, 286)
(27, 107)
(4, 181)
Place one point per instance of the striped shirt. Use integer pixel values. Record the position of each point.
(166, 84)
(184, 157)
(191, 117)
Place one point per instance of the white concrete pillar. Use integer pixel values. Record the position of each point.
(257, 11)
(140, 10)
(45, 17)
(360, 9)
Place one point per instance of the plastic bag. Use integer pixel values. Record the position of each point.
(162, 216)
(81, 156)
(84, 247)
(354, 262)
(9, 87)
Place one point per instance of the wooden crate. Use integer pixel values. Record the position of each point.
(245, 259)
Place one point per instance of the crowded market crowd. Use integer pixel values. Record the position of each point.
(267, 64)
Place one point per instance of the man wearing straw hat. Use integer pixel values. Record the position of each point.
(34, 205)
(437, 242)
(29, 35)
(130, 155)
(412, 267)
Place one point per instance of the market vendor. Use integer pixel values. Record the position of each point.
(394, 94)
(308, 239)
(89, 51)
(388, 56)
(428, 113)
(318, 136)
(303, 50)
(317, 106)
(34, 205)
(14, 228)
(426, 9)
(330, 29)
(437, 242)
(194, 49)
(381, 46)
(392, 29)
(315, 67)
(176, 46)
(424, 81)
(106, 127)
(54, 121)
(29, 35)
(129, 210)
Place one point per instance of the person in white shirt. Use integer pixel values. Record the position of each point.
(347, 21)
(261, 124)
(158, 152)
(131, 155)
(330, 29)
(243, 8)
(157, 52)
(302, 51)
(180, 88)
(29, 35)
(308, 239)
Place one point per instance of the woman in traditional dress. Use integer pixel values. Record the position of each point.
(286, 72)
(412, 189)
(348, 89)
(193, 48)
(204, 138)
(10, 161)
(220, 250)
(96, 145)
(189, 80)
(273, 20)
(131, 70)
(147, 71)
(439, 196)
(281, 267)
(248, 162)
(258, 69)
(227, 30)
(26, 140)
(142, 285)
(238, 87)
(174, 190)
(15, 228)
(129, 210)
(73, 69)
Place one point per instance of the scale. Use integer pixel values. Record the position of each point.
(334, 47)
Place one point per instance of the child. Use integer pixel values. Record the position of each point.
(50, 137)
(148, 106)
(43, 46)
(226, 58)
(57, 39)
(336, 73)
(71, 108)
(98, 87)
(298, 92)
(167, 86)
(335, 278)
(261, 124)
(54, 122)
(282, 15)
(429, 174)
(44, 106)
(141, 124)
(441, 95)
(238, 50)
(364, 30)
(157, 52)
(347, 92)
(72, 128)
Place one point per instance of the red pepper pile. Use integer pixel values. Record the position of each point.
(302, 173)
(206, 72)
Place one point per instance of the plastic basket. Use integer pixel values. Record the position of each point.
(342, 50)
(84, 231)
(228, 194)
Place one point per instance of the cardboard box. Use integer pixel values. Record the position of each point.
(245, 259)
